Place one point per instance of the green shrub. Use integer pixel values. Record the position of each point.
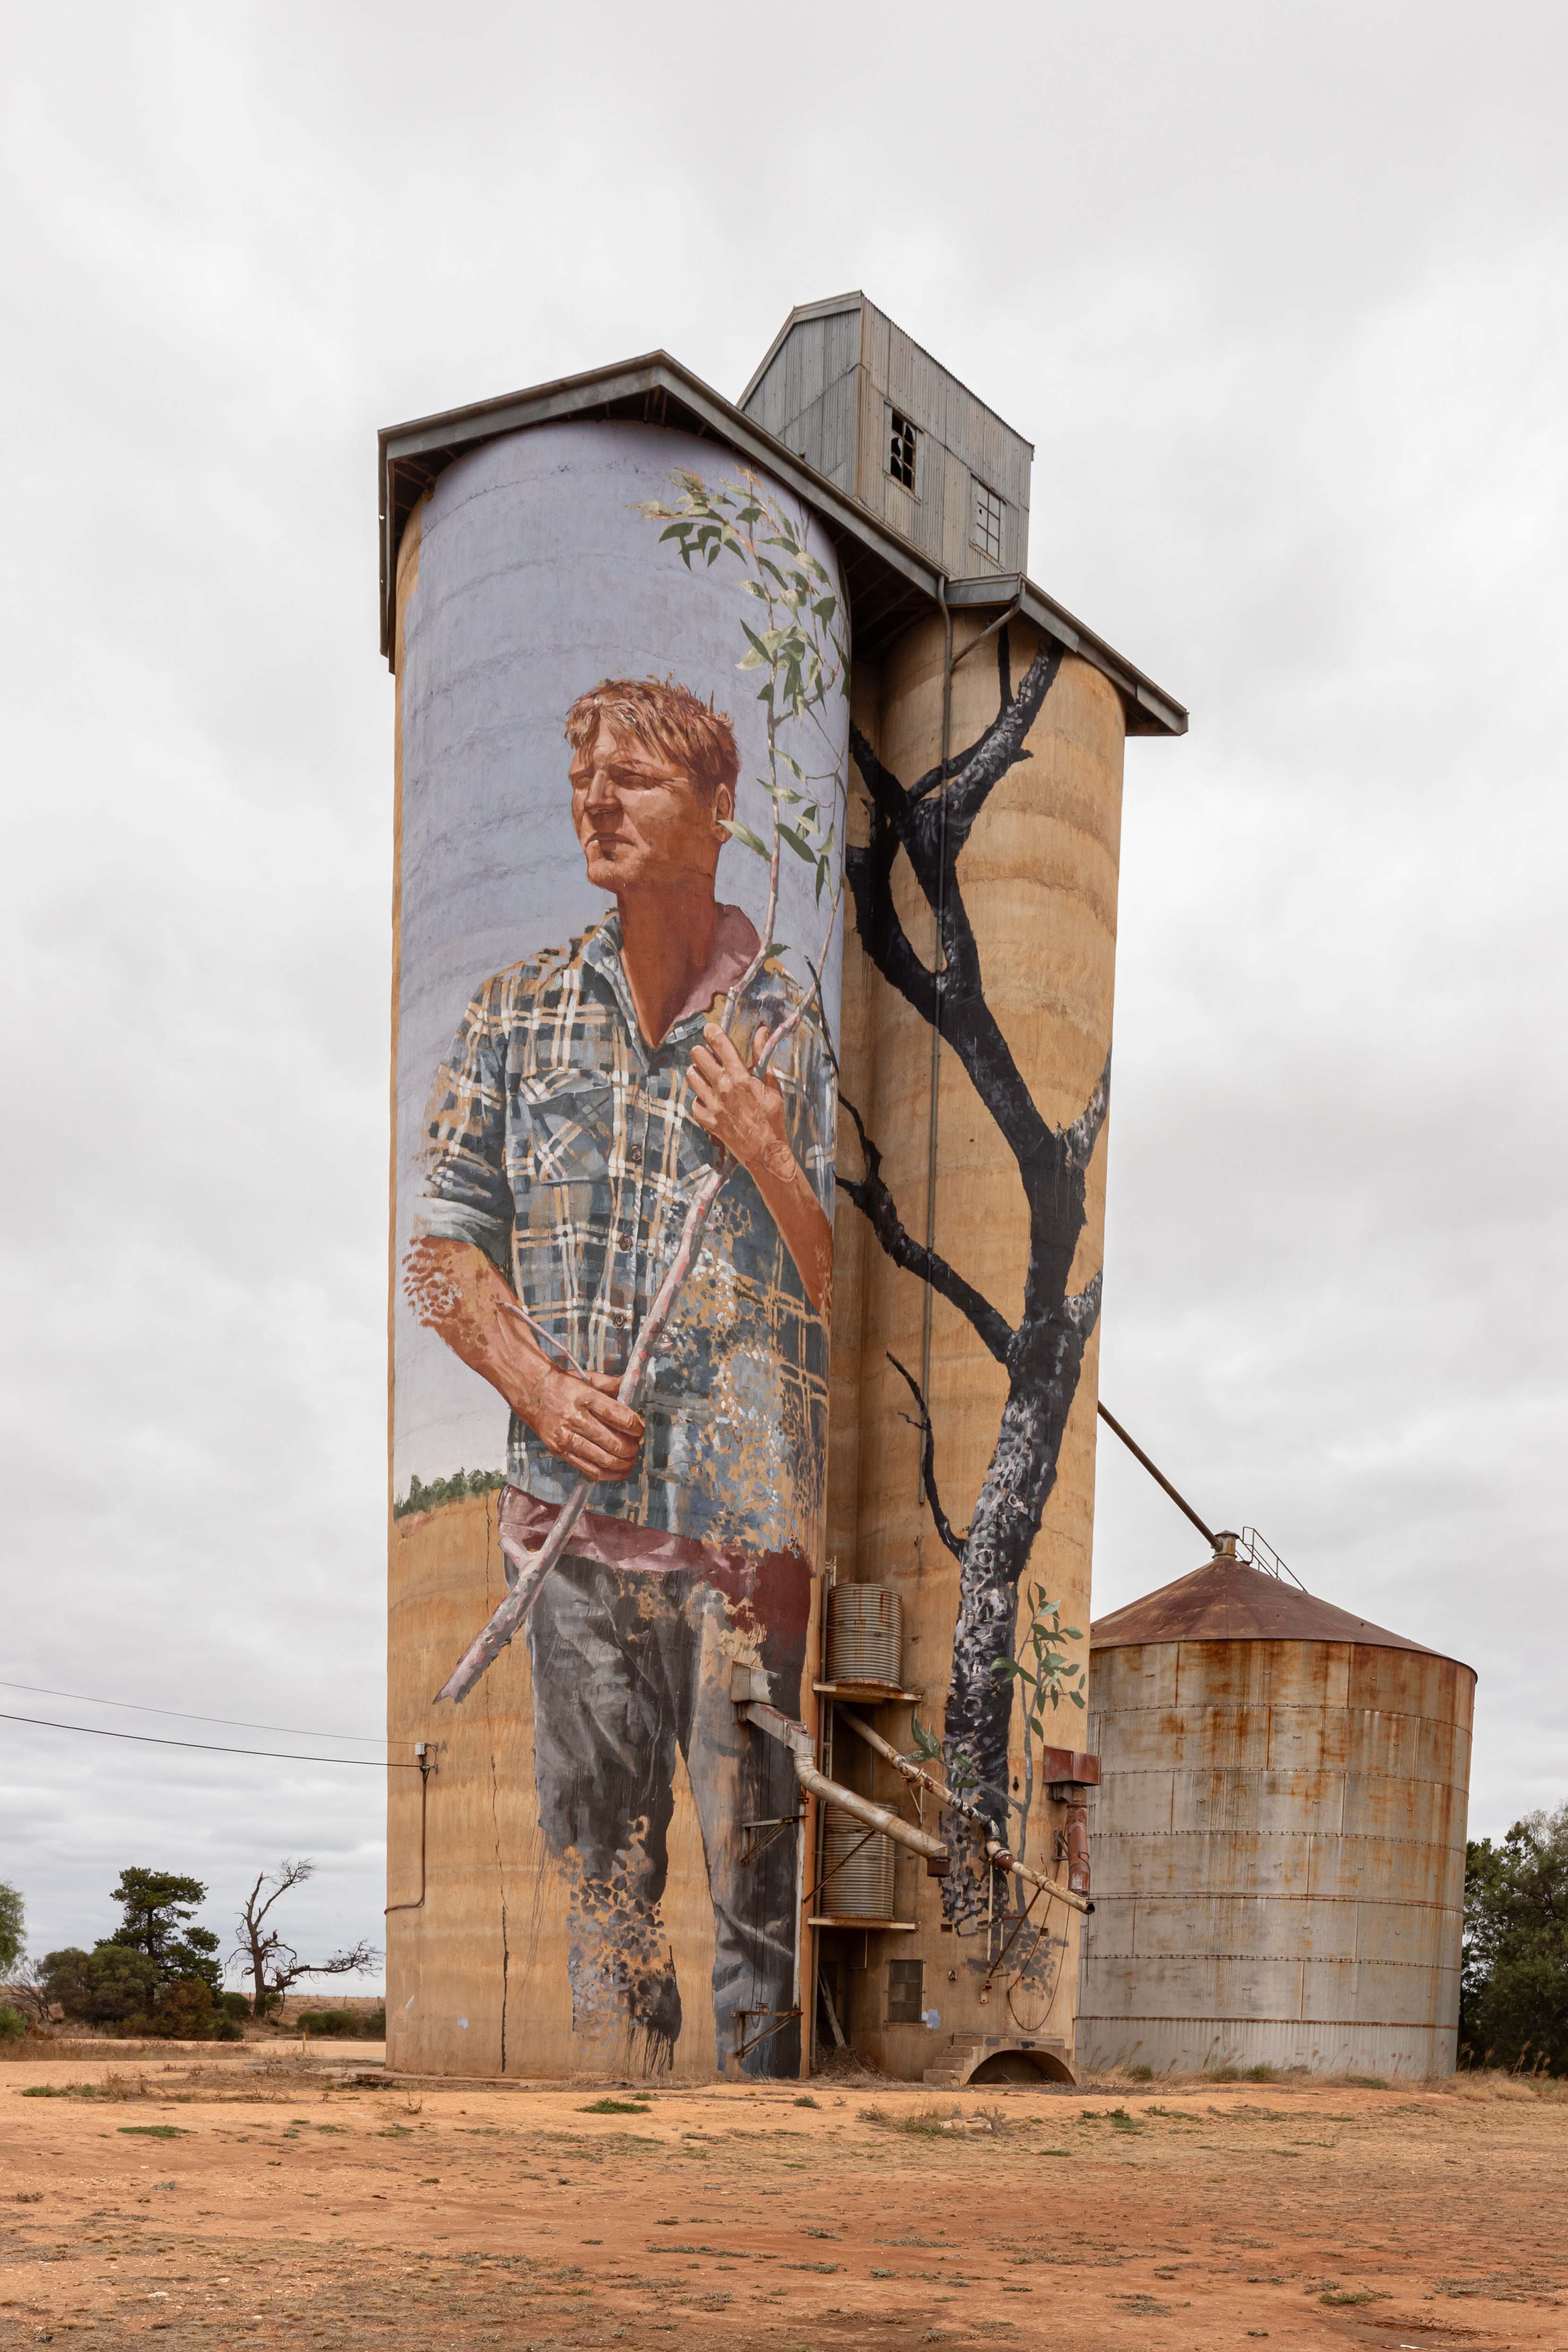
(13, 1922)
(235, 2005)
(106, 1987)
(184, 2011)
(13, 2024)
(344, 2024)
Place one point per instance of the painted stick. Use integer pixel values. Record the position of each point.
(510, 1615)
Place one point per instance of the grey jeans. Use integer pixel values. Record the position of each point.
(631, 1667)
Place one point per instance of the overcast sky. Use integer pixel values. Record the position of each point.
(1279, 293)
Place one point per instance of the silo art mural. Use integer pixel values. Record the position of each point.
(622, 739)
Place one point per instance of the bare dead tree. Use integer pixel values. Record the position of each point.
(274, 1965)
(928, 822)
(27, 1989)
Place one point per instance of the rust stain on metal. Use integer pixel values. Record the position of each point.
(1279, 1837)
(1227, 1601)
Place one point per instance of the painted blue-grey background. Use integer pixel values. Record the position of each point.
(538, 576)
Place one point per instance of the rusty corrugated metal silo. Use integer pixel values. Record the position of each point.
(1279, 1835)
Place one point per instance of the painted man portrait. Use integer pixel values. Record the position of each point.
(587, 1094)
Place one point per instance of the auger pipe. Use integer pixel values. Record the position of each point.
(912, 1772)
(802, 1750)
(999, 1858)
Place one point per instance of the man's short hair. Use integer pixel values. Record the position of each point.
(669, 720)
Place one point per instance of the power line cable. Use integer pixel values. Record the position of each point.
(179, 1715)
(208, 1748)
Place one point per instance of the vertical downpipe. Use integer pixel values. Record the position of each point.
(939, 967)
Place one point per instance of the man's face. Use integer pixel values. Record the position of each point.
(643, 825)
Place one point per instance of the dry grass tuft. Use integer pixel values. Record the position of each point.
(931, 2123)
(1483, 2085)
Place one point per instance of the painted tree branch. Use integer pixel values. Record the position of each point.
(876, 1204)
(930, 826)
(928, 823)
(928, 1459)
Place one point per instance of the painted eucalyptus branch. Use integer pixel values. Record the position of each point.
(871, 1196)
(943, 1526)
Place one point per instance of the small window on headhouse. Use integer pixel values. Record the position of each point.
(987, 522)
(900, 449)
(906, 1992)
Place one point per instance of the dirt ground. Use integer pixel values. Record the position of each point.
(143, 2201)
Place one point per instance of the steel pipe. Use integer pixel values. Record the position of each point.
(911, 1772)
(999, 1858)
(802, 1746)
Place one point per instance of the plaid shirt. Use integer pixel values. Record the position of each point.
(562, 1144)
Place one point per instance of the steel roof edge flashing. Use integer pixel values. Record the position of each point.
(1159, 713)
(889, 579)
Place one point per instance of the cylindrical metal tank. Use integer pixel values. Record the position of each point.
(1279, 1835)
(865, 1634)
(857, 1870)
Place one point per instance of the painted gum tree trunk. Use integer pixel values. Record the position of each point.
(927, 823)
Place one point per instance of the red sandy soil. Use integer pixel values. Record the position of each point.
(263, 2198)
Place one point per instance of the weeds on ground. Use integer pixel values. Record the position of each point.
(1481, 2083)
(929, 2123)
(621, 2108)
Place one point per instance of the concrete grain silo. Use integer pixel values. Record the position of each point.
(662, 1831)
(1279, 1834)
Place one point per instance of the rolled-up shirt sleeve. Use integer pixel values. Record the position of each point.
(467, 1196)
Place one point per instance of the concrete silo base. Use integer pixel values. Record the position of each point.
(990, 2059)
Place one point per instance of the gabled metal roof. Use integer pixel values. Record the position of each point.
(888, 583)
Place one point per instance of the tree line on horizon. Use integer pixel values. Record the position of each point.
(1513, 1998)
(158, 1973)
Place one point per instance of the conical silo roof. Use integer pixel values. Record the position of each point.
(1227, 1599)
